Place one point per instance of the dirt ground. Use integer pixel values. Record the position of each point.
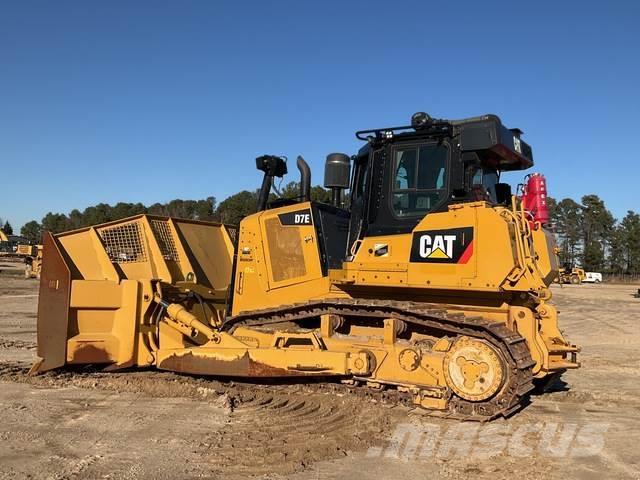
(147, 424)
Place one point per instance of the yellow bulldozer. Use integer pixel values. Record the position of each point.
(432, 282)
(575, 275)
(5, 244)
(32, 256)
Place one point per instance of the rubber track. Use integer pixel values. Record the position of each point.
(509, 399)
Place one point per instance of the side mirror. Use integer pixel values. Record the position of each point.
(503, 193)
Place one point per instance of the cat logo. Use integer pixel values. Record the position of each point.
(438, 246)
(454, 245)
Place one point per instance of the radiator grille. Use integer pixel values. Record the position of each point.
(123, 243)
(233, 233)
(285, 250)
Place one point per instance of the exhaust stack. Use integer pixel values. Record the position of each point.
(305, 179)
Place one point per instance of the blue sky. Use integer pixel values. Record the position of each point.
(150, 101)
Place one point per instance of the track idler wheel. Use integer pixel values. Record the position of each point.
(474, 370)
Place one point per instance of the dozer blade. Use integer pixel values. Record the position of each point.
(53, 308)
(97, 285)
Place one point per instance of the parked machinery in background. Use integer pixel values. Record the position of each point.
(575, 275)
(6, 246)
(32, 255)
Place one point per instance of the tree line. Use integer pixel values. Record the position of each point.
(588, 235)
(231, 210)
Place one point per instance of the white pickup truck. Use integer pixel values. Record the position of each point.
(592, 277)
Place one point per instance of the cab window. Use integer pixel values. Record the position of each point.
(419, 179)
(483, 184)
(363, 170)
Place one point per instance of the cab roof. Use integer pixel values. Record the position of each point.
(496, 145)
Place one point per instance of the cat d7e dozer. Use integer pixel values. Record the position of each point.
(434, 282)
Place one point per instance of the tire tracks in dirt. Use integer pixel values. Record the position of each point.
(270, 428)
(17, 344)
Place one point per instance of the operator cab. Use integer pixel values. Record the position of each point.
(403, 173)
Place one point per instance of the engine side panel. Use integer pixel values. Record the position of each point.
(471, 247)
(279, 259)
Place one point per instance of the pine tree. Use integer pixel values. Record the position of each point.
(7, 229)
(597, 225)
(630, 228)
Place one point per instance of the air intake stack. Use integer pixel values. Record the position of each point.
(337, 173)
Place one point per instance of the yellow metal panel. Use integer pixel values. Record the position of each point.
(258, 362)
(291, 251)
(91, 349)
(95, 294)
(126, 322)
(491, 261)
(255, 285)
(53, 307)
(93, 321)
(87, 256)
(103, 321)
(211, 250)
(547, 260)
